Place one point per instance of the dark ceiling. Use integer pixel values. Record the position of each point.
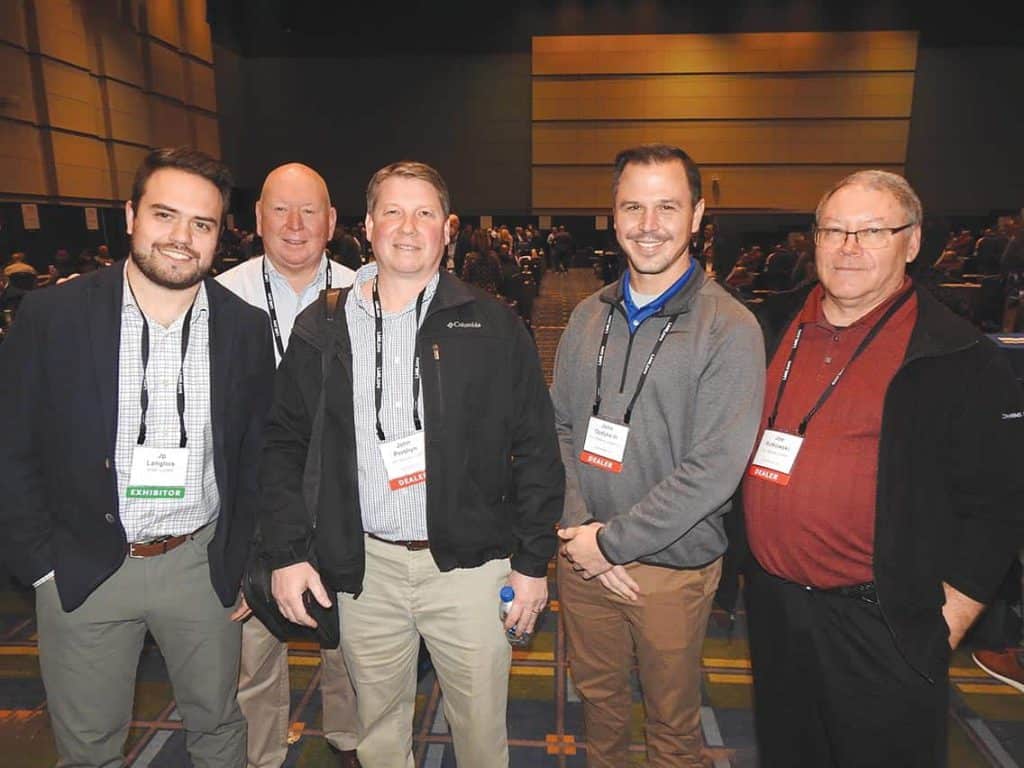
(296, 28)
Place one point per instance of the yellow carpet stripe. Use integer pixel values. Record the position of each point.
(988, 689)
(730, 678)
(19, 650)
(727, 663)
(534, 671)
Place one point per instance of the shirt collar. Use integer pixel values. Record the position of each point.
(636, 315)
(128, 304)
(318, 278)
(814, 312)
(368, 272)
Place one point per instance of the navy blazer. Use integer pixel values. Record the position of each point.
(58, 430)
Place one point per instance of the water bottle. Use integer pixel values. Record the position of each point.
(507, 595)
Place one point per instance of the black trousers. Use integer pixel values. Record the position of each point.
(830, 685)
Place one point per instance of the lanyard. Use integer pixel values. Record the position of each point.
(830, 387)
(643, 374)
(378, 377)
(274, 325)
(186, 329)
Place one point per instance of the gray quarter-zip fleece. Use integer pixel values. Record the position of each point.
(691, 431)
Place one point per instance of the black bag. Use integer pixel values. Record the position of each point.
(256, 581)
(256, 587)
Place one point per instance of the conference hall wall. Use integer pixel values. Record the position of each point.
(86, 88)
(772, 118)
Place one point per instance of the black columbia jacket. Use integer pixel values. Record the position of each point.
(495, 482)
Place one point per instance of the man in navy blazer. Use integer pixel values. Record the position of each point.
(133, 408)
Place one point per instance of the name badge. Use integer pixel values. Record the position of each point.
(605, 444)
(405, 460)
(157, 473)
(775, 456)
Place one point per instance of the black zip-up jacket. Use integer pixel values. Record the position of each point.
(948, 503)
(495, 482)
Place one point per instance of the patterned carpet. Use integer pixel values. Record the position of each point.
(545, 721)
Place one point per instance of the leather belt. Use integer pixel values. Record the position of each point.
(865, 592)
(413, 545)
(155, 547)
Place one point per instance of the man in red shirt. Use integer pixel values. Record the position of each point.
(880, 502)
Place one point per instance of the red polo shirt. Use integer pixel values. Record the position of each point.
(819, 529)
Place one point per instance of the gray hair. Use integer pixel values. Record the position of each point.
(883, 181)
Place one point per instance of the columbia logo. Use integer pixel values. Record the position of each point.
(1014, 415)
(460, 324)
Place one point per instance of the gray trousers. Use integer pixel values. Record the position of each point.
(89, 658)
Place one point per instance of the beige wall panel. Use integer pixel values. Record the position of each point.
(129, 113)
(202, 89)
(82, 166)
(778, 188)
(168, 71)
(122, 51)
(197, 32)
(22, 169)
(62, 31)
(764, 141)
(12, 22)
(162, 21)
(16, 85)
(169, 123)
(767, 52)
(207, 133)
(72, 98)
(724, 96)
(126, 160)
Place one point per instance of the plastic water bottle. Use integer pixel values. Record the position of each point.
(507, 595)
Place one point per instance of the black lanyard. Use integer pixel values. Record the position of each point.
(830, 387)
(186, 329)
(378, 377)
(643, 374)
(274, 325)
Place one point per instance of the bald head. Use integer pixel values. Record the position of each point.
(295, 219)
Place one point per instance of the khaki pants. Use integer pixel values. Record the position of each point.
(404, 597)
(264, 694)
(88, 658)
(664, 631)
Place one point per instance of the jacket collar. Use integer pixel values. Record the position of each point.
(936, 332)
(678, 304)
(311, 325)
(105, 294)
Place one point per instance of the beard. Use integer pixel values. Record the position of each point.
(175, 275)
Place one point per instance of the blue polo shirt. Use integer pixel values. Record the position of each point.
(636, 315)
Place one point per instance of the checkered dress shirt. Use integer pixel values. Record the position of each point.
(400, 514)
(146, 519)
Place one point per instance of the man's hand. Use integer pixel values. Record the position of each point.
(579, 547)
(242, 610)
(531, 598)
(960, 612)
(289, 583)
(618, 580)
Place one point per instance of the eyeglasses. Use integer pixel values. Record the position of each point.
(872, 237)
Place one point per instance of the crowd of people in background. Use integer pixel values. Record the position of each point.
(509, 262)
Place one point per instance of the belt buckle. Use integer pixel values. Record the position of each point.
(131, 546)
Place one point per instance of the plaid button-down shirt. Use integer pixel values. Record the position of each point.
(149, 518)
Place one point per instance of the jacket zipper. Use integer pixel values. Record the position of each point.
(629, 350)
(436, 350)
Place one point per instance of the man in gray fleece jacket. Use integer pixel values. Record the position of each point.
(658, 386)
